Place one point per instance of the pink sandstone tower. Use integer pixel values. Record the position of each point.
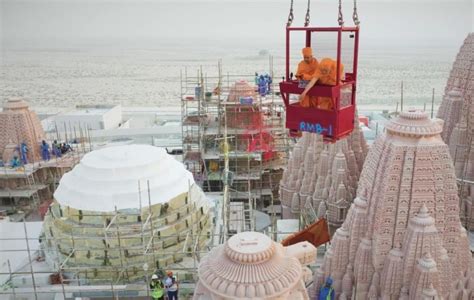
(402, 238)
(457, 111)
(322, 176)
(460, 80)
(18, 124)
(251, 266)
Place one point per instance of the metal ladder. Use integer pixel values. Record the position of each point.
(32, 185)
(248, 220)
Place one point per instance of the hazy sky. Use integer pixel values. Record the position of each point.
(74, 22)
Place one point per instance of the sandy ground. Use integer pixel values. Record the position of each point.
(151, 78)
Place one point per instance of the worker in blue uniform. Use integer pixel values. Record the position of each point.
(262, 86)
(24, 153)
(45, 151)
(56, 149)
(15, 162)
(327, 291)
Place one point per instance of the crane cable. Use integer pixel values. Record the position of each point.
(307, 18)
(290, 16)
(340, 18)
(355, 17)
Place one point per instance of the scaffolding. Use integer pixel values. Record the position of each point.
(115, 249)
(236, 152)
(118, 255)
(124, 279)
(228, 141)
(30, 187)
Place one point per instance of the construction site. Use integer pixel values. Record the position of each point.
(27, 191)
(242, 194)
(235, 143)
(235, 149)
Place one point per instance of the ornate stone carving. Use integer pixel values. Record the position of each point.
(407, 206)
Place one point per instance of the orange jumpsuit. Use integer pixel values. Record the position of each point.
(325, 71)
(327, 75)
(307, 72)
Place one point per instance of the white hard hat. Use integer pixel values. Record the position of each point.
(154, 276)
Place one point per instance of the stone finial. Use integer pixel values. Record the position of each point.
(427, 262)
(429, 293)
(423, 219)
(423, 210)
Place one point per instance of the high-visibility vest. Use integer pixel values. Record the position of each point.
(326, 293)
(328, 296)
(158, 290)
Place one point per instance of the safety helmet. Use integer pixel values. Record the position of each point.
(329, 281)
(154, 276)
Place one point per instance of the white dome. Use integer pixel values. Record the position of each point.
(108, 178)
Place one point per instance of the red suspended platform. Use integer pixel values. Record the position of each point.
(332, 124)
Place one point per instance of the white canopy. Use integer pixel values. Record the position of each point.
(108, 178)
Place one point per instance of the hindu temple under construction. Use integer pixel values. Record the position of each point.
(234, 140)
(117, 215)
(457, 111)
(326, 184)
(402, 237)
(25, 189)
(121, 208)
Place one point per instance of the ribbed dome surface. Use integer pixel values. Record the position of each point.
(249, 265)
(414, 124)
(108, 178)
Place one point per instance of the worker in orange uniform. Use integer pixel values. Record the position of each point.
(324, 74)
(307, 72)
